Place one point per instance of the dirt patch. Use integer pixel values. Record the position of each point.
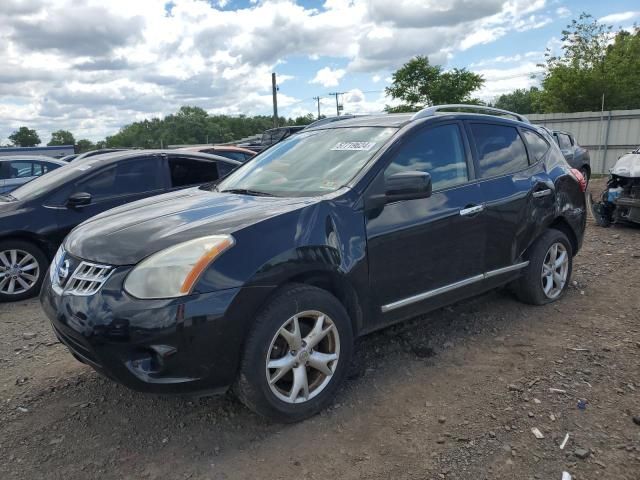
(454, 394)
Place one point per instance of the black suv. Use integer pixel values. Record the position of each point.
(35, 218)
(263, 281)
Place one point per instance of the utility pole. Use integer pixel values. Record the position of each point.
(317, 99)
(337, 94)
(274, 87)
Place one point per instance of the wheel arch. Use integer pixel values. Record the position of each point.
(563, 225)
(30, 237)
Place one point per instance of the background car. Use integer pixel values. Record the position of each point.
(20, 169)
(228, 151)
(575, 155)
(272, 136)
(69, 158)
(35, 218)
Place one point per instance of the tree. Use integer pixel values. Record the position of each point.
(418, 84)
(521, 101)
(62, 137)
(25, 137)
(595, 62)
(85, 145)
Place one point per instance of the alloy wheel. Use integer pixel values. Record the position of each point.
(19, 271)
(555, 269)
(302, 357)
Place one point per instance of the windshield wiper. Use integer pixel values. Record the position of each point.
(244, 191)
(7, 197)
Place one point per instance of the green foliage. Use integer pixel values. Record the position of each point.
(595, 61)
(25, 137)
(84, 145)
(521, 101)
(418, 84)
(193, 125)
(62, 137)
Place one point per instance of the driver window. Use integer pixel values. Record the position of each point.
(438, 151)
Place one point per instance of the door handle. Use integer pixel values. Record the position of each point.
(542, 193)
(465, 212)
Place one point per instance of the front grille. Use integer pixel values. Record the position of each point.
(87, 279)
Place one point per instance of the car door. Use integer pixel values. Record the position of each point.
(516, 191)
(422, 251)
(109, 186)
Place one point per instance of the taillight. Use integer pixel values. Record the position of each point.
(580, 178)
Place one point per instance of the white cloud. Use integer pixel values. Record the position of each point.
(91, 66)
(619, 17)
(328, 77)
(563, 12)
(504, 80)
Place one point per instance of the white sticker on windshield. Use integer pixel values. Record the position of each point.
(354, 146)
(82, 168)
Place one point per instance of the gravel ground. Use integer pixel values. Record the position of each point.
(453, 395)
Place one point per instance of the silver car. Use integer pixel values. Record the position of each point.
(17, 170)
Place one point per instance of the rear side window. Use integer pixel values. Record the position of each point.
(538, 146)
(187, 171)
(438, 151)
(500, 149)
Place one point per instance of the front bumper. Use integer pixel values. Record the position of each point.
(190, 344)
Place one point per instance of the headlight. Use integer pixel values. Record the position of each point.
(174, 271)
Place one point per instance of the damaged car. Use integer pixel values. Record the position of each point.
(619, 203)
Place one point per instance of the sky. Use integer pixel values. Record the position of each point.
(92, 66)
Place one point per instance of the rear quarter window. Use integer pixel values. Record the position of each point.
(538, 146)
(500, 149)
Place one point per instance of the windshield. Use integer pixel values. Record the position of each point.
(309, 163)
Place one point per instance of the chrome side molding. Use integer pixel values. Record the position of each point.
(453, 286)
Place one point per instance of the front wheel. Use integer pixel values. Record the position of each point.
(296, 355)
(22, 269)
(549, 271)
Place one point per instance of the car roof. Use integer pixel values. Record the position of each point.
(399, 120)
(226, 148)
(39, 158)
(112, 157)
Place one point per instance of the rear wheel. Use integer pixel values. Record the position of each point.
(296, 356)
(549, 271)
(22, 269)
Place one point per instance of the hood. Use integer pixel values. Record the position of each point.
(127, 234)
(627, 166)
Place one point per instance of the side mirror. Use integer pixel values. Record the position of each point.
(79, 199)
(408, 186)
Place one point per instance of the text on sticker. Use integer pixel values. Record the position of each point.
(354, 146)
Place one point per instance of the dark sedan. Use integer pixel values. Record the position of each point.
(263, 281)
(35, 218)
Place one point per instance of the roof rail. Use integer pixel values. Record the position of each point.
(430, 111)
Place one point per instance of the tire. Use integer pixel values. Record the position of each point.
(531, 287)
(30, 271)
(277, 400)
